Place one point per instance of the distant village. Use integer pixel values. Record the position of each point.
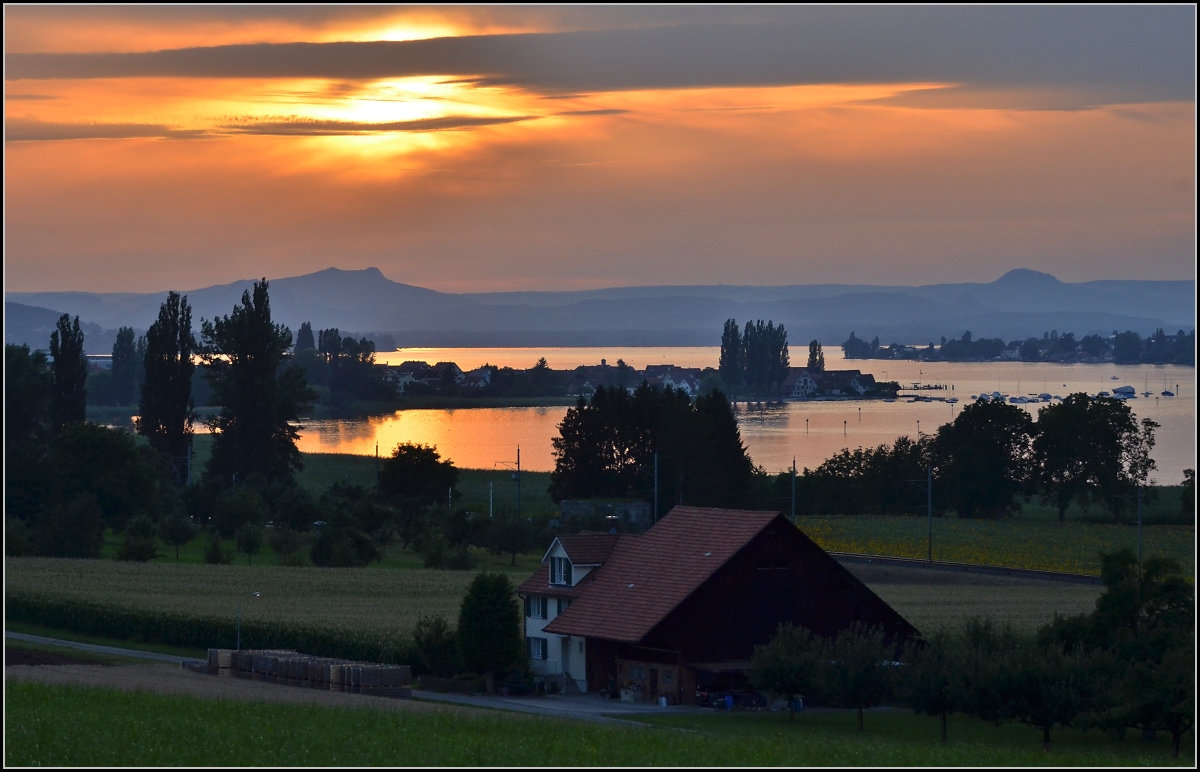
(415, 378)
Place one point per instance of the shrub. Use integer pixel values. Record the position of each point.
(139, 542)
(74, 529)
(283, 540)
(436, 552)
(434, 641)
(213, 553)
(237, 507)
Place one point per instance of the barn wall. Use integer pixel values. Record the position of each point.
(780, 576)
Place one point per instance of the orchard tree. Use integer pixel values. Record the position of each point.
(927, 680)
(789, 664)
(859, 668)
(260, 393)
(69, 398)
(166, 411)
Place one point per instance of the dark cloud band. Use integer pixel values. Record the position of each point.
(26, 130)
(1117, 53)
(303, 127)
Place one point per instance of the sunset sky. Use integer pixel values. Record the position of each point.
(501, 148)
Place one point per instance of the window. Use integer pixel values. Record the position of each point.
(563, 605)
(537, 608)
(537, 647)
(560, 571)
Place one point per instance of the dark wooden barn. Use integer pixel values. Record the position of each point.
(687, 601)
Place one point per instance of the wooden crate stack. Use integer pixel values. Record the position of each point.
(304, 671)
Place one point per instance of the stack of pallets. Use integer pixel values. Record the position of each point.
(301, 670)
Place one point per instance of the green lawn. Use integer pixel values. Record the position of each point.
(49, 725)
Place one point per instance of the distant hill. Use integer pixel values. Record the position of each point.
(1020, 304)
(32, 325)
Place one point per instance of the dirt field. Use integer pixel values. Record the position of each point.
(172, 679)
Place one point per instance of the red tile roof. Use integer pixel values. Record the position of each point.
(644, 579)
(539, 584)
(588, 549)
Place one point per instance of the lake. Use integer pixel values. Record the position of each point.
(486, 438)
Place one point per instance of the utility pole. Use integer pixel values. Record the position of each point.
(656, 486)
(793, 490)
(489, 498)
(1140, 530)
(377, 465)
(518, 480)
(929, 507)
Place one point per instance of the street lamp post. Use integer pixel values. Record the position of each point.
(239, 621)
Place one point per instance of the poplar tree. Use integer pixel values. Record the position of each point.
(260, 393)
(69, 399)
(166, 409)
(125, 368)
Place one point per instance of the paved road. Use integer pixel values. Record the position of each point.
(585, 707)
(100, 649)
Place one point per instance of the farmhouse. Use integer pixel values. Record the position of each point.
(686, 602)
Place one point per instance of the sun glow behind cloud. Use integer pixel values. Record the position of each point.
(496, 178)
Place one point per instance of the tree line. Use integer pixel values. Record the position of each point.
(1121, 347)
(1129, 664)
(993, 455)
(68, 481)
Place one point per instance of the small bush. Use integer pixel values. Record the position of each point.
(283, 540)
(435, 642)
(214, 554)
(436, 552)
(139, 543)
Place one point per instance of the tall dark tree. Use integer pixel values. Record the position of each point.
(816, 357)
(304, 338)
(69, 399)
(125, 382)
(165, 414)
(489, 627)
(983, 460)
(731, 365)
(607, 447)
(1089, 446)
(417, 472)
(260, 393)
(28, 385)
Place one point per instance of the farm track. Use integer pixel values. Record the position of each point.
(168, 679)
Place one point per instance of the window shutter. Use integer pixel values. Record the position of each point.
(567, 572)
(545, 648)
(528, 611)
(545, 607)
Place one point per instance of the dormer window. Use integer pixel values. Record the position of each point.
(560, 571)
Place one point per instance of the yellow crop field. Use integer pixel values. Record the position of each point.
(1071, 547)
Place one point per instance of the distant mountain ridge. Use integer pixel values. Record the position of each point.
(1020, 304)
